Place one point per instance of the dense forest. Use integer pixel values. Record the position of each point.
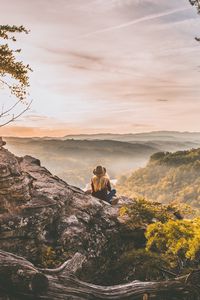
(164, 194)
(172, 244)
(168, 177)
(171, 228)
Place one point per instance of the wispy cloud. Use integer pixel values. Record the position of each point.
(134, 22)
(162, 100)
(140, 67)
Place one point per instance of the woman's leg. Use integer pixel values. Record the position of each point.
(111, 195)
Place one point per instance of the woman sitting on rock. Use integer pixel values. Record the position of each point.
(101, 186)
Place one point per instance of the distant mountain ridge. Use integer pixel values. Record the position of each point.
(73, 159)
(154, 135)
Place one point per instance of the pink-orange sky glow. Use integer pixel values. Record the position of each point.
(116, 66)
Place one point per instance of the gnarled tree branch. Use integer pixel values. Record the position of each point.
(19, 279)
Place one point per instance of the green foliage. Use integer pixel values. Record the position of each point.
(139, 264)
(142, 212)
(50, 257)
(158, 156)
(176, 158)
(180, 238)
(167, 178)
(13, 74)
(9, 66)
(170, 243)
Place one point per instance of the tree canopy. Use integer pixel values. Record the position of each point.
(195, 3)
(168, 177)
(13, 74)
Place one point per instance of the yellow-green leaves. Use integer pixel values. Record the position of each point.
(168, 177)
(180, 238)
(143, 212)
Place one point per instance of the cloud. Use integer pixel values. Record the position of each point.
(162, 100)
(23, 131)
(85, 61)
(35, 118)
(134, 22)
(85, 56)
(141, 53)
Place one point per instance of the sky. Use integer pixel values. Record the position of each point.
(117, 66)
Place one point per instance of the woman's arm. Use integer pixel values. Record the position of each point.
(92, 186)
(109, 185)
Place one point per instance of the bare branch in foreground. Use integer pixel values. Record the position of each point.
(19, 279)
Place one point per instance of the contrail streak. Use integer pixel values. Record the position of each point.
(137, 21)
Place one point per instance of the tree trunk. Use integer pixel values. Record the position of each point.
(19, 275)
(19, 279)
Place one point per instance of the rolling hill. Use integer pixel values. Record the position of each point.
(167, 177)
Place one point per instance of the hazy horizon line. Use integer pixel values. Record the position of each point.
(102, 133)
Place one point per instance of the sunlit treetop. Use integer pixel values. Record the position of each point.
(196, 3)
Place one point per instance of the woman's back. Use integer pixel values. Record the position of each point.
(100, 183)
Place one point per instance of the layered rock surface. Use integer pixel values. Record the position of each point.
(47, 221)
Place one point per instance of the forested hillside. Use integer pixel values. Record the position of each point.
(167, 177)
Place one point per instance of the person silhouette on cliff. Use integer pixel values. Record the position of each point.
(101, 186)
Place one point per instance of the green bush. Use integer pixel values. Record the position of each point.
(178, 238)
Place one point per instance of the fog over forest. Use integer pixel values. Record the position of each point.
(73, 158)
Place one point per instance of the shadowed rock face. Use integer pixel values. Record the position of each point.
(47, 221)
(14, 184)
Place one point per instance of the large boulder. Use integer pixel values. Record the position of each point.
(47, 221)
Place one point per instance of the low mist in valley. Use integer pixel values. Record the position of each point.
(73, 158)
(74, 161)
